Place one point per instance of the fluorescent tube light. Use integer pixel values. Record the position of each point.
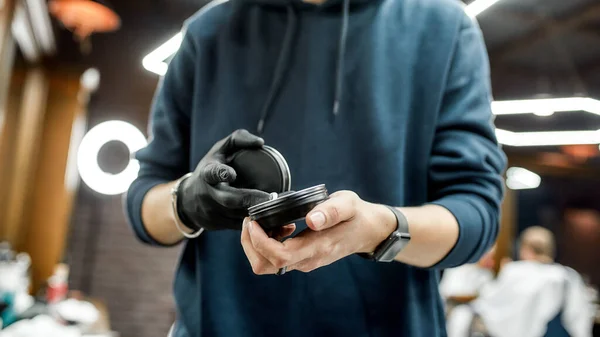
(549, 138)
(479, 6)
(155, 61)
(22, 33)
(545, 107)
(41, 25)
(518, 178)
(544, 113)
(32, 29)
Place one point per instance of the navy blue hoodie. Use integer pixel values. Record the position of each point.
(386, 98)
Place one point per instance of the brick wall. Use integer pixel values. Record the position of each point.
(108, 263)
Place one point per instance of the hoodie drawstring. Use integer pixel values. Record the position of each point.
(284, 58)
(281, 67)
(339, 74)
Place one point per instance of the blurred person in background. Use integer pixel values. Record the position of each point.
(387, 102)
(537, 244)
(532, 297)
(462, 284)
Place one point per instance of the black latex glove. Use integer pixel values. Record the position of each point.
(206, 200)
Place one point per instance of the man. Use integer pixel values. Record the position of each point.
(537, 244)
(387, 102)
(532, 297)
(465, 282)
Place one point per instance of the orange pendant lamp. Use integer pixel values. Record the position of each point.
(85, 17)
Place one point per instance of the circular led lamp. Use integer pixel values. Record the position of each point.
(87, 156)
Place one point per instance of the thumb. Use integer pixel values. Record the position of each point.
(254, 197)
(340, 207)
(214, 173)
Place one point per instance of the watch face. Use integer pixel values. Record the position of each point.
(393, 247)
(386, 249)
(395, 243)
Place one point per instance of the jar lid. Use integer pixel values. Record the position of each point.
(262, 169)
(290, 199)
(288, 207)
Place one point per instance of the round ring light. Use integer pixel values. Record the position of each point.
(87, 156)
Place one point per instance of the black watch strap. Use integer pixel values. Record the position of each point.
(390, 247)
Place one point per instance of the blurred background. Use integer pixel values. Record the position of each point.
(77, 79)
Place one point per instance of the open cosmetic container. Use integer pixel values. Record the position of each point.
(266, 169)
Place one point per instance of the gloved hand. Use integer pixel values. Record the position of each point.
(206, 200)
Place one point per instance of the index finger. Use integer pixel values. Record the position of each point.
(273, 250)
(288, 252)
(237, 198)
(241, 139)
(260, 265)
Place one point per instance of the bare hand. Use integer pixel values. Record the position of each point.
(339, 227)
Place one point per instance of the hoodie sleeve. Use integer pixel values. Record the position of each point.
(166, 158)
(465, 171)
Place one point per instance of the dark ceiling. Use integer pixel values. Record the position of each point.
(536, 47)
(549, 48)
(126, 88)
(553, 44)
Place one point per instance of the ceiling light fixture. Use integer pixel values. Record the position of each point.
(544, 113)
(479, 6)
(547, 138)
(155, 61)
(23, 34)
(518, 178)
(85, 18)
(32, 30)
(42, 25)
(546, 105)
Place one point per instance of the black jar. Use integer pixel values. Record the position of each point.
(266, 169)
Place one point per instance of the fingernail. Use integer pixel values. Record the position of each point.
(224, 174)
(250, 226)
(318, 219)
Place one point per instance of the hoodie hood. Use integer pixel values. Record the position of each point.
(292, 8)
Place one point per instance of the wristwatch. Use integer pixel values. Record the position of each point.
(394, 244)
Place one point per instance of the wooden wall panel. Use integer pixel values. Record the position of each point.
(7, 48)
(38, 175)
(25, 160)
(7, 52)
(508, 223)
(51, 205)
(7, 148)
